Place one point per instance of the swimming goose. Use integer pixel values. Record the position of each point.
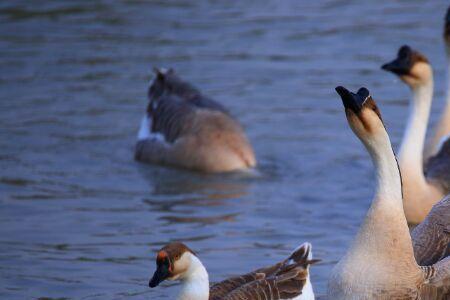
(380, 262)
(442, 129)
(288, 279)
(421, 191)
(183, 128)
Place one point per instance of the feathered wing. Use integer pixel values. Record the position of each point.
(438, 278)
(171, 117)
(431, 238)
(438, 168)
(441, 276)
(301, 257)
(287, 284)
(172, 105)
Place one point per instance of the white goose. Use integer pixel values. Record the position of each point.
(380, 263)
(421, 189)
(288, 279)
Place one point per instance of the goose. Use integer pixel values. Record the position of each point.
(183, 128)
(380, 262)
(421, 190)
(442, 128)
(288, 279)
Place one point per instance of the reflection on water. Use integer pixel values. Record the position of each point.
(81, 220)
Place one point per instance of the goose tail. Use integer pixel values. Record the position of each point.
(302, 255)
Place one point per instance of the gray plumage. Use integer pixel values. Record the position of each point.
(173, 103)
(431, 238)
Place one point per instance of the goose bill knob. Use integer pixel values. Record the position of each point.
(402, 64)
(171, 262)
(352, 101)
(362, 113)
(411, 66)
(163, 270)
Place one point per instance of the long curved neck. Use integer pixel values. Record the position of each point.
(195, 282)
(385, 220)
(411, 149)
(389, 184)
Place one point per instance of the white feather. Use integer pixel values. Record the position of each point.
(307, 292)
(145, 133)
(195, 282)
(144, 129)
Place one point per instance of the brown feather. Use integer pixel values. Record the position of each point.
(438, 277)
(287, 277)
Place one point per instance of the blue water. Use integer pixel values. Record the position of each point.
(80, 219)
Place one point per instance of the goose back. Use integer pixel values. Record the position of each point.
(173, 104)
(287, 284)
(286, 278)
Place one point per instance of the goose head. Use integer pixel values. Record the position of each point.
(411, 66)
(166, 81)
(173, 262)
(363, 116)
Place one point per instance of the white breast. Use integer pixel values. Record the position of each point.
(307, 292)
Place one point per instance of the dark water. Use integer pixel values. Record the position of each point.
(80, 219)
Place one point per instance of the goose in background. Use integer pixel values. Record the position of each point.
(380, 262)
(442, 128)
(183, 128)
(422, 189)
(288, 279)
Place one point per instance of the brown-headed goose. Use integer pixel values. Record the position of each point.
(183, 128)
(288, 279)
(380, 262)
(442, 128)
(421, 189)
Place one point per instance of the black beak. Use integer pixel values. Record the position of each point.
(160, 275)
(402, 64)
(352, 101)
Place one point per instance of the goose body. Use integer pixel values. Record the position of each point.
(288, 279)
(422, 188)
(380, 263)
(183, 128)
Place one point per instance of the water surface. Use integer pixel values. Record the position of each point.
(80, 219)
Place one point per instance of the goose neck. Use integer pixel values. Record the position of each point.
(195, 282)
(411, 149)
